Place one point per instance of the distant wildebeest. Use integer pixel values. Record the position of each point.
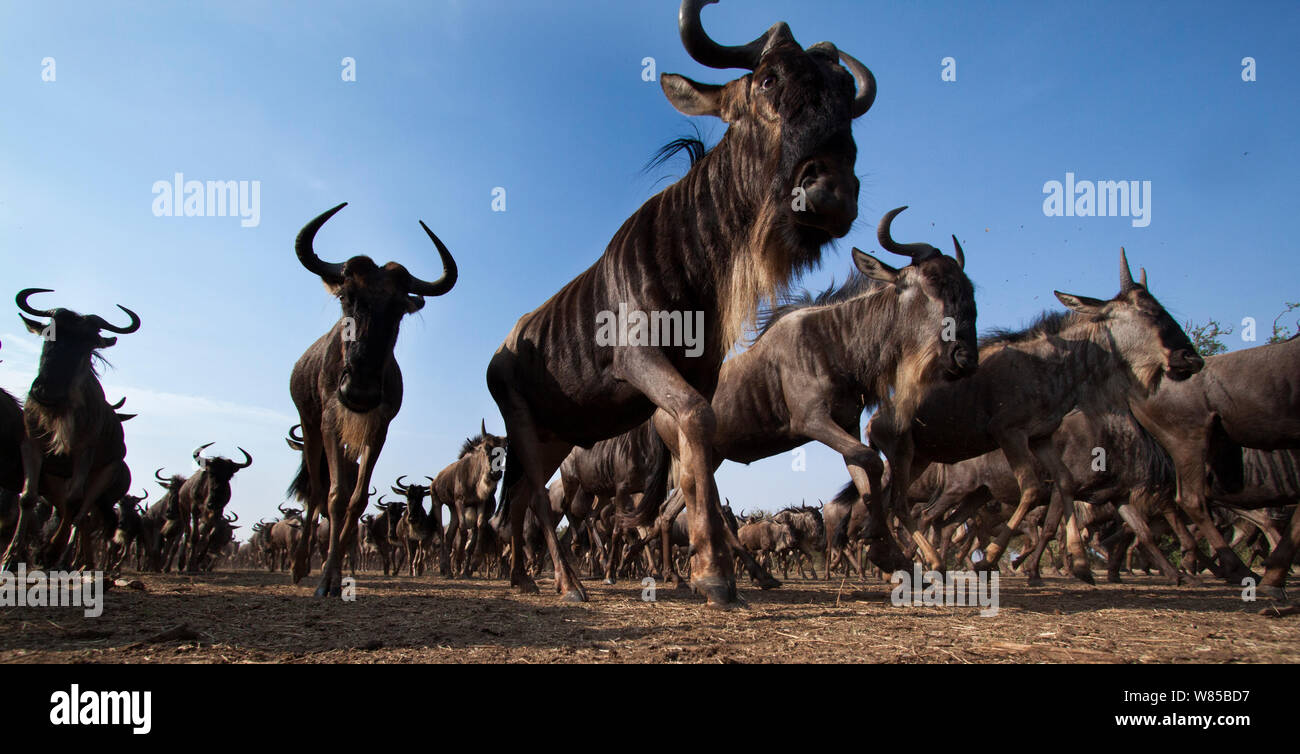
(880, 340)
(468, 486)
(1095, 357)
(417, 529)
(347, 387)
(611, 472)
(707, 249)
(163, 522)
(765, 539)
(284, 537)
(203, 500)
(130, 531)
(385, 535)
(74, 450)
(1248, 398)
(807, 531)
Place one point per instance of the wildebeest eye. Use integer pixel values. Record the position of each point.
(768, 82)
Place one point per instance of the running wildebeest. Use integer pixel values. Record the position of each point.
(750, 214)
(347, 387)
(468, 487)
(74, 450)
(818, 363)
(1248, 398)
(202, 499)
(384, 533)
(130, 531)
(1095, 357)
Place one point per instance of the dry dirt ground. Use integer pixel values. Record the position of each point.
(244, 616)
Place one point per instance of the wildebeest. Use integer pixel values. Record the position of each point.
(807, 531)
(417, 529)
(1248, 398)
(818, 363)
(468, 486)
(706, 249)
(130, 531)
(203, 498)
(12, 434)
(347, 387)
(284, 537)
(74, 450)
(1094, 357)
(766, 538)
(383, 533)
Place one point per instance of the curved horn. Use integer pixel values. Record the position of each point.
(1143, 278)
(198, 450)
(917, 251)
(280, 508)
(296, 437)
(957, 252)
(400, 483)
(232, 518)
(482, 427)
(863, 81)
(157, 475)
(449, 273)
(373, 490)
(707, 52)
(21, 300)
(145, 496)
(328, 271)
(119, 404)
(1125, 276)
(248, 460)
(430, 483)
(103, 324)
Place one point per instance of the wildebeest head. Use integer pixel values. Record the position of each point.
(374, 300)
(488, 451)
(394, 512)
(414, 493)
(214, 478)
(935, 291)
(1149, 340)
(70, 341)
(795, 107)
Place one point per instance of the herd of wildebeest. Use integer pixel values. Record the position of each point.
(1100, 425)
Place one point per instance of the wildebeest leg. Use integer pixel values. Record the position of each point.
(866, 469)
(472, 524)
(449, 555)
(345, 506)
(1064, 486)
(649, 371)
(319, 480)
(1117, 548)
(1186, 544)
(1138, 523)
(32, 460)
(1279, 560)
(1032, 494)
(1046, 534)
(1191, 499)
(83, 490)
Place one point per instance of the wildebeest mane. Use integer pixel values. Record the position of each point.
(470, 443)
(854, 286)
(1047, 323)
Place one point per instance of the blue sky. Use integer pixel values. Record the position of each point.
(546, 100)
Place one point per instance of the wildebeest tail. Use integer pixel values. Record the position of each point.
(300, 487)
(656, 491)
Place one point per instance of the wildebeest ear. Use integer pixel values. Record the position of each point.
(1081, 304)
(414, 304)
(872, 267)
(692, 97)
(106, 342)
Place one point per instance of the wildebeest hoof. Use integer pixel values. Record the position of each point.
(985, 565)
(526, 586)
(769, 583)
(718, 593)
(574, 595)
(1084, 574)
(1035, 580)
(1113, 578)
(1275, 593)
(608, 580)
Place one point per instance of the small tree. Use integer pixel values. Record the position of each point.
(1207, 337)
(1282, 332)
